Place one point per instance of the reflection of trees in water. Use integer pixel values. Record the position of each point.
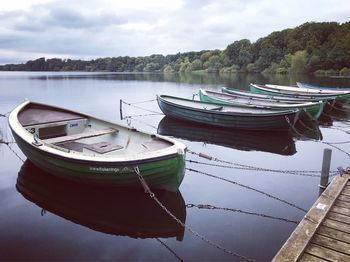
(233, 80)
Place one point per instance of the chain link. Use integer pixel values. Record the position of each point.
(248, 187)
(234, 165)
(332, 145)
(206, 206)
(188, 228)
(169, 249)
(251, 168)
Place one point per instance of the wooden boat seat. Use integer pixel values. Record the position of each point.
(75, 137)
(156, 144)
(103, 147)
(39, 116)
(100, 147)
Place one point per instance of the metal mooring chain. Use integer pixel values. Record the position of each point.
(288, 172)
(248, 187)
(169, 249)
(206, 206)
(248, 167)
(195, 233)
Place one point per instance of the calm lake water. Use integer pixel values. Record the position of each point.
(45, 219)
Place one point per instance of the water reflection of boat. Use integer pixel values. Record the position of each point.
(307, 130)
(335, 113)
(278, 142)
(118, 211)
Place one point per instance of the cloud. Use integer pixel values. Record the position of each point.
(89, 28)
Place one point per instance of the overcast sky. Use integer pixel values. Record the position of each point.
(86, 29)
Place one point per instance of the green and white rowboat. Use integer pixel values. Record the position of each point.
(290, 91)
(273, 97)
(227, 116)
(309, 109)
(83, 148)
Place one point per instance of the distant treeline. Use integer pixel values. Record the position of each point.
(321, 48)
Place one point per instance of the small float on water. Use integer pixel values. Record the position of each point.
(87, 149)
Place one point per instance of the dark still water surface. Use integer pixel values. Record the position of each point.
(47, 219)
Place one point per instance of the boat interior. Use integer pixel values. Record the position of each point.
(69, 131)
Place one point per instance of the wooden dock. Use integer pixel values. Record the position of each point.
(324, 232)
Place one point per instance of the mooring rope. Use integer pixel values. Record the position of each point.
(5, 115)
(296, 131)
(13, 151)
(211, 207)
(338, 108)
(132, 116)
(336, 128)
(139, 107)
(332, 145)
(247, 187)
(337, 143)
(188, 228)
(143, 122)
(141, 102)
(169, 249)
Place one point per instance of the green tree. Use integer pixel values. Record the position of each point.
(299, 61)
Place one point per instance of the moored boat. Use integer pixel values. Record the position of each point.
(294, 93)
(306, 90)
(303, 85)
(87, 149)
(227, 116)
(277, 98)
(308, 109)
(127, 211)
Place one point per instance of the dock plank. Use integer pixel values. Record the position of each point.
(310, 258)
(340, 203)
(341, 210)
(339, 217)
(346, 190)
(331, 243)
(326, 253)
(333, 233)
(324, 232)
(336, 225)
(344, 198)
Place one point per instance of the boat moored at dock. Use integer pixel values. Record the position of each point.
(80, 147)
